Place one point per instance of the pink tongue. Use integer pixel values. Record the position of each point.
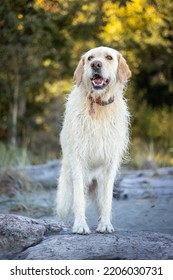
(98, 81)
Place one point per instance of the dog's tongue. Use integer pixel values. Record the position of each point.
(99, 81)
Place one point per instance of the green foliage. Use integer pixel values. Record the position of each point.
(33, 53)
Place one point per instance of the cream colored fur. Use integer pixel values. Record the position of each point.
(93, 145)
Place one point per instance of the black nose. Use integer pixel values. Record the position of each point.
(96, 65)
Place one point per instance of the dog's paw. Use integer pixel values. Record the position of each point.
(105, 227)
(81, 229)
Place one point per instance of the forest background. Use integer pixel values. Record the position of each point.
(41, 42)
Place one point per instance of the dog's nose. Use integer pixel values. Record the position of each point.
(96, 65)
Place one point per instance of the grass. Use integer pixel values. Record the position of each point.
(12, 156)
(13, 182)
(20, 195)
(21, 156)
(148, 155)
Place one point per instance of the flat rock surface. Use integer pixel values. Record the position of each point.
(24, 238)
(120, 245)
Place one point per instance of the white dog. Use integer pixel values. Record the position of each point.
(94, 137)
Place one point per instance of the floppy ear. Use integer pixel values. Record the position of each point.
(78, 73)
(124, 72)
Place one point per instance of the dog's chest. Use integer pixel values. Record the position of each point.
(98, 141)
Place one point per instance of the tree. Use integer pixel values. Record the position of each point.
(32, 42)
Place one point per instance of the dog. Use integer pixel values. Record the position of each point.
(94, 137)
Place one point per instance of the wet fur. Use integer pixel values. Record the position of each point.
(93, 145)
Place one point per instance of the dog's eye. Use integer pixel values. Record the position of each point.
(109, 57)
(90, 57)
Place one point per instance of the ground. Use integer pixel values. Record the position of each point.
(144, 199)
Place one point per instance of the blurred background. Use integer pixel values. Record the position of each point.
(41, 42)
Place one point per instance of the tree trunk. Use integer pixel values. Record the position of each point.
(15, 103)
(15, 115)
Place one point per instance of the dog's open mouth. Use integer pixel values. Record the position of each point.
(98, 82)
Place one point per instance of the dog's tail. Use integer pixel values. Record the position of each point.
(64, 197)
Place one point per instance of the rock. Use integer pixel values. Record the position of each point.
(121, 245)
(144, 184)
(17, 233)
(52, 227)
(25, 238)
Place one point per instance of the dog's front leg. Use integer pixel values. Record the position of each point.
(104, 200)
(80, 226)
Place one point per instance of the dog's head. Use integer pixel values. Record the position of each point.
(101, 68)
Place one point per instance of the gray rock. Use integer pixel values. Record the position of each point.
(120, 245)
(144, 184)
(17, 233)
(25, 238)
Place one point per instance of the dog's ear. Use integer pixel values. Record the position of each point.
(78, 73)
(124, 73)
